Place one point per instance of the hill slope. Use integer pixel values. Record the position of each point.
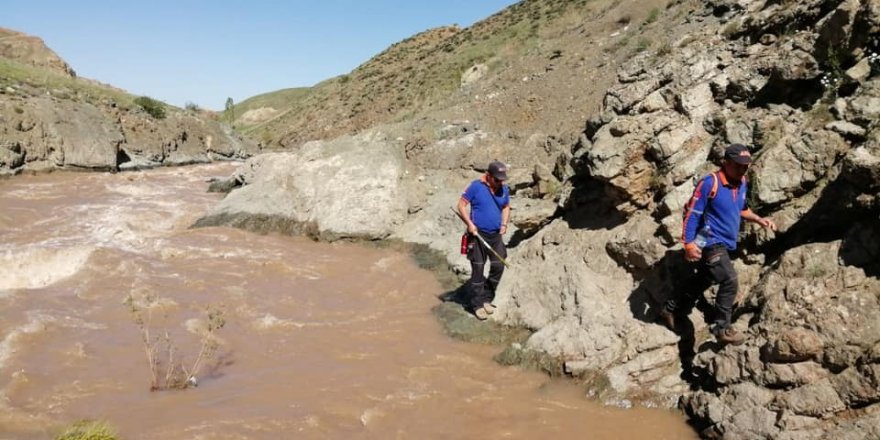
(31, 51)
(534, 66)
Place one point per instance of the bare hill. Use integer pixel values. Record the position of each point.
(537, 65)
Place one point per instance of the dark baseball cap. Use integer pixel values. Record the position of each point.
(498, 170)
(738, 153)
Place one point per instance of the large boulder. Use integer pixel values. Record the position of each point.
(793, 165)
(348, 187)
(582, 309)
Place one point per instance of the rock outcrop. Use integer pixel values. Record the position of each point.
(39, 133)
(31, 51)
(346, 188)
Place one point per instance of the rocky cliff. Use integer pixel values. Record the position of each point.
(595, 251)
(51, 119)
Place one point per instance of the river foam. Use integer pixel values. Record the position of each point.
(34, 267)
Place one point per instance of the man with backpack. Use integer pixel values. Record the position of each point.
(710, 229)
(489, 199)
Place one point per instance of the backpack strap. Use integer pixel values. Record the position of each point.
(714, 190)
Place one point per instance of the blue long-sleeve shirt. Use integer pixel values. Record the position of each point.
(723, 213)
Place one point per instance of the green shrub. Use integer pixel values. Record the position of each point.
(652, 16)
(193, 107)
(88, 430)
(155, 108)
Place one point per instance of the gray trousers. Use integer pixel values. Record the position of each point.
(714, 267)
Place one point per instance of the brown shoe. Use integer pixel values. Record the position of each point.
(481, 314)
(489, 307)
(668, 318)
(730, 336)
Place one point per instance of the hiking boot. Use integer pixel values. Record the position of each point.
(730, 336)
(489, 307)
(481, 314)
(668, 318)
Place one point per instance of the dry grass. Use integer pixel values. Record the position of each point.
(88, 430)
(14, 74)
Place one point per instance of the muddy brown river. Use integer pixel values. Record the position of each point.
(320, 340)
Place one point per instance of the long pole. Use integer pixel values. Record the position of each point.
(482, 240)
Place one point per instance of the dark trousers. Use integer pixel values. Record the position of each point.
(714, 267)
(482, 290)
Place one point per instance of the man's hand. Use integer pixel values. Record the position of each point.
(767, 223)
(692, 253)
(503, 229)
(472, 229)
(755, 218)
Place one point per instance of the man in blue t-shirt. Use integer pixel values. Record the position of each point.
(713, 215)
(489, 199)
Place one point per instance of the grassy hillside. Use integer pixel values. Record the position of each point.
(16, 75)
(265, 106)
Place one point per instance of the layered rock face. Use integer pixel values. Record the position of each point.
(39, 133)
(596, 248)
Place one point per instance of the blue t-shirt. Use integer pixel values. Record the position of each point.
(722, 214)
(485, 206)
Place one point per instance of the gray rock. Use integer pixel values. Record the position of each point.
(531, 214)
(814, 400)
(859, 386)
(636, 247)
(792, 375)
(621, 99)
(847, 129)
(793, 165)
(696, 102)
(860, 71)
(793, 422)
(653, 102)
(738, 132)
(864, 108)
(752, 423)
(10, 158)
(335, 185)
(793, 345)
(862, 167)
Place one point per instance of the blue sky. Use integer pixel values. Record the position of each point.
(205, 51)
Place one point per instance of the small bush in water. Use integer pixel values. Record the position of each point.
(167, 368)
(88, 430)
